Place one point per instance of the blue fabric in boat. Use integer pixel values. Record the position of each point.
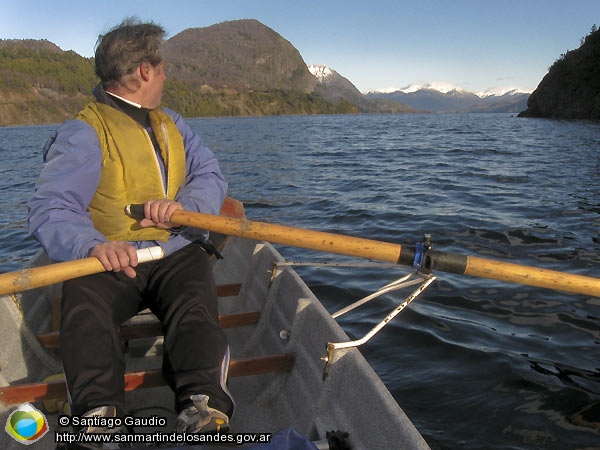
(286, 439)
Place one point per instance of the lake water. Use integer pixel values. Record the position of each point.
(475, 363)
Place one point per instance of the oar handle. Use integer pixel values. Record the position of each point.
(135, 210)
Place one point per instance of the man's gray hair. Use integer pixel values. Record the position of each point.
(120, 51)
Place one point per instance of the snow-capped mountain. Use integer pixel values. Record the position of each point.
(501, 91)
(333, 85)
(323, 73)
(444, 88)
(336, 88)
(445, 97)
(422, 96)
(440, 86)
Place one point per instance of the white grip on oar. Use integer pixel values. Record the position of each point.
(150, 254)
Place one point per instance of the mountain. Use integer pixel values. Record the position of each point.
(445, 98)
(40, 83)
(571, 88)
(335, 88)
(240, 67)
(243, 55)
(508, 102)
(228, 69)
(233, 68)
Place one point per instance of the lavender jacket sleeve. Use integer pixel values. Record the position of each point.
(58, 216)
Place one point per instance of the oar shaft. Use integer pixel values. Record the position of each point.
(532, 276)
(384, 251)
(35, 277)
(296, 237)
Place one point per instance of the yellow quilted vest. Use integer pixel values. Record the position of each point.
(131, 171)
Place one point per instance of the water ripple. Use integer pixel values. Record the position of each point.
(475, 363)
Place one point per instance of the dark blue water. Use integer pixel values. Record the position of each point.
(475, 363)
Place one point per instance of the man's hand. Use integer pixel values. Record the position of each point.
(117, 256)
(158, 212)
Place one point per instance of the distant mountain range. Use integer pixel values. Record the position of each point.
(444, 98)
(233, 68)
(439, 97)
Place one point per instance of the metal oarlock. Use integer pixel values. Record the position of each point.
(418, 276)
(408, 280)
(423, 249)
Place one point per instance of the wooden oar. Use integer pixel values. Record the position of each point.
(35, 277)
(326, 242)
(385, 251)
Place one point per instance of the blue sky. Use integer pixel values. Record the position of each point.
(475, 45)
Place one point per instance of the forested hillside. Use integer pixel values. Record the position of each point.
(571, 89)
(208, 75)
(39, 83)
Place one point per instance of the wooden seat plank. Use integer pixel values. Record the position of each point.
(154, 329)
(228, 290)
(18, 394)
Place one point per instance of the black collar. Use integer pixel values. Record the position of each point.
(140, 115)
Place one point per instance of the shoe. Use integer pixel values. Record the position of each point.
(106, 412)
(201, 418)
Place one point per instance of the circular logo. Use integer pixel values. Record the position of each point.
(26, 424)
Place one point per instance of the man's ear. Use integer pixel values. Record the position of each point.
(144, 70)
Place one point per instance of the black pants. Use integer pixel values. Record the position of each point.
(180, 291)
